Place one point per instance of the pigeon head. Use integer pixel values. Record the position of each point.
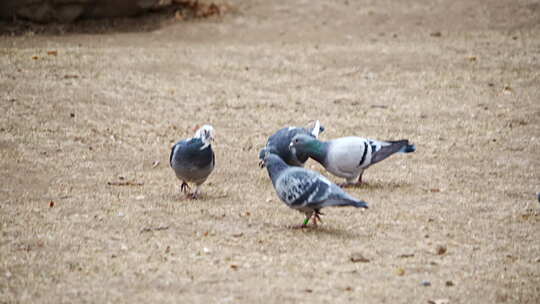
(303, 142)
(206, 134)
(268, 157)
(274, 164)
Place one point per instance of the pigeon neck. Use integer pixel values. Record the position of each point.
(317, 150)
(274, 166)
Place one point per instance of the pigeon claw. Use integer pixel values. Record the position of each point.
(316, 217)
(193, 196)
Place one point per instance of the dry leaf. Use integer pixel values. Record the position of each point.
(358, 258)
(52, 53)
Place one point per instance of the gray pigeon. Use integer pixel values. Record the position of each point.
(348, 157)
(305, 190)
(193, 160)
(279, 142)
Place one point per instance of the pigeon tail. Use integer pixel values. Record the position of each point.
(353, 202)
(393, 147)
(408, 149)
(360, 204)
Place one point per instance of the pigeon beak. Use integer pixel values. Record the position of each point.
(290, 146)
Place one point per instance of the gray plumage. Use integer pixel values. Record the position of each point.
(193, 159)
(279, 142)
(348, 157)
(305, 190)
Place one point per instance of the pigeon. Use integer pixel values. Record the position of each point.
(348, 157)
(193, 160)
(305, 190)
(279, 142)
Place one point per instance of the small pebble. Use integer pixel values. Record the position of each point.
(449, 283)
(441, 249)
(425, 283)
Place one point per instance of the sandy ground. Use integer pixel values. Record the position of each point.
(84, 112)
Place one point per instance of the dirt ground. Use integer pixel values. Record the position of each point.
(85, 112)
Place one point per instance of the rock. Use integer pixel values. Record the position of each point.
(439, 301)
(449, 283)
(66, 11)
(425, 283)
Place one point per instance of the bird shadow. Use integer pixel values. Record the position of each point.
(321, 230)
(379, 185)
(181, 197)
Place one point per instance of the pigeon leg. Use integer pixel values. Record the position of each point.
(195, 194)
(185, 187)
(187, 191)
(316, 217)
(359, 182)
(352, 183)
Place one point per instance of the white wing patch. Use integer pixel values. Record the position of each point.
(316, 129)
